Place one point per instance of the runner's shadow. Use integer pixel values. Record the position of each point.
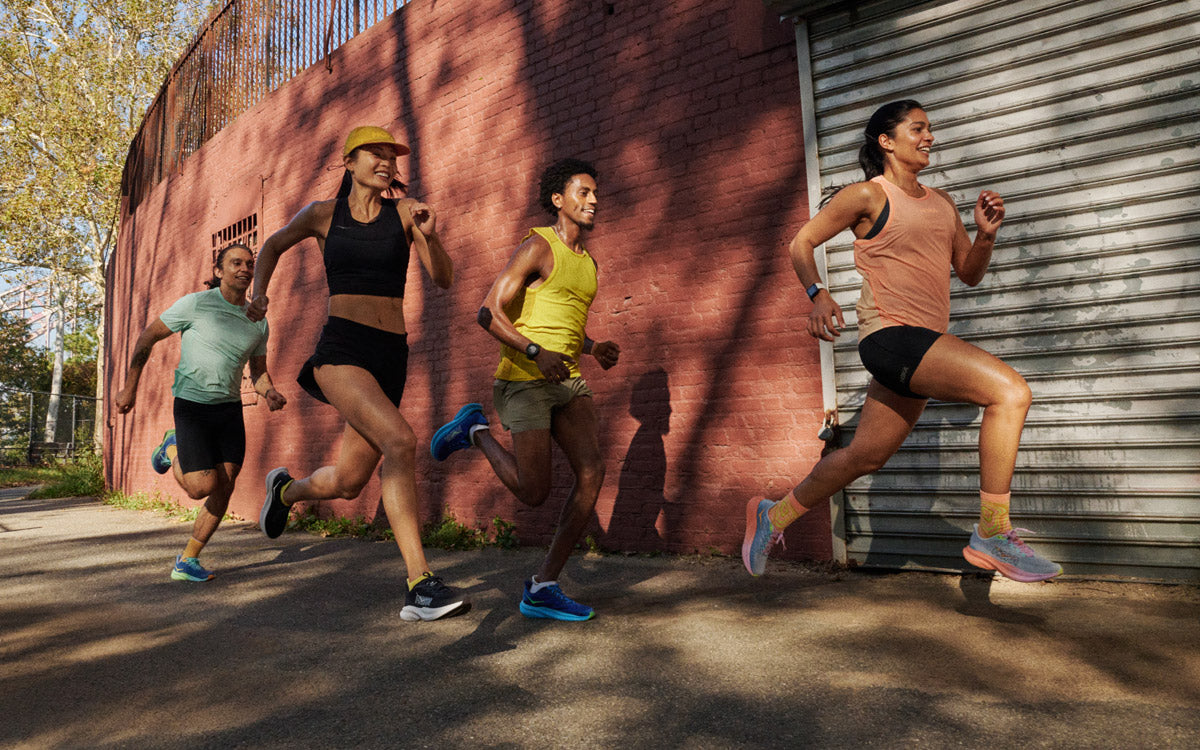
(641, 489)
(976, 590)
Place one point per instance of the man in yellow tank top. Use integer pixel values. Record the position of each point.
(537, 309)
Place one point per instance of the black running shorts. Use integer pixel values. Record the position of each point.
(208, 435)
(344, 342)
(892, 354)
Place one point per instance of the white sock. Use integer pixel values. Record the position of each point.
(536, 585)
(471, 432)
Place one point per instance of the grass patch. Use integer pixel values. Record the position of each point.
(155, 502)
(80, 477)
(447, 533)
(23, 476)
(357, 527)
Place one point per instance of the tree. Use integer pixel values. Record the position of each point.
(76, 77)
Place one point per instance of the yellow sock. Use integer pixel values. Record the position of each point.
(785, 511)
(283, 491)
(193, 547)
(418, 579)
(172, 451)
(993, 514)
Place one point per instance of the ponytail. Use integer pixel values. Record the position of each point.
(885, 120)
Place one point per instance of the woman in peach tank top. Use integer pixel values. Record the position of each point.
(909, 238)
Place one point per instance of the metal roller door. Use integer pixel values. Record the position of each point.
(1084, 116)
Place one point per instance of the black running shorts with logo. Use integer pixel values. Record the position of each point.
(344, 342)
(892, 354)
(208, 435)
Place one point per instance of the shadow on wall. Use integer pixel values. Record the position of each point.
(642, 517)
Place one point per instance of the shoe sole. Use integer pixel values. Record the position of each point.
(748, 538)
(987, 562)
(413, 613)
(179, 575)
(451, 426)
(552, 614)
(262, 514)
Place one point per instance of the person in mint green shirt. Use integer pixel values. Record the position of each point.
(206, 449)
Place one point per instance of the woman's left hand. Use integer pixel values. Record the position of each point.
(989, 212)
(424, 218)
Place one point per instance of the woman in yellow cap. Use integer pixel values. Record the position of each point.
(361, 360)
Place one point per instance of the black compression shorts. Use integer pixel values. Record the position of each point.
(345, 342)
(892, 354)
(208, 435)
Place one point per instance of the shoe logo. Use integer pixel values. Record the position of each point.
(424, 601)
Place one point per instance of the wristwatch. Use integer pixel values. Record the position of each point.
(812, 290)
(532, 350)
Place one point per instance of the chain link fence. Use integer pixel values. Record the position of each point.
(36, 426)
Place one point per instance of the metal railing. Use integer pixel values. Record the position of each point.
(23, 426)
(245, 50)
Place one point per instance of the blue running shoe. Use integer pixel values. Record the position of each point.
(456, 434)
(760, 536)
(158, 459)
(1010, 556)
(550, 603)
(188, 569)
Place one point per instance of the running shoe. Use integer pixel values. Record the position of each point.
(432, 599)
(188, 569)
(1010, 556)
(456, 434)
(550, 603)
(760, 536)
(274, 515)
(158, 459)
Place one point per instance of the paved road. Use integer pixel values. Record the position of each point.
(298, 643)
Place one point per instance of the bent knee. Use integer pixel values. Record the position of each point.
(591, 475)
(1016, 393)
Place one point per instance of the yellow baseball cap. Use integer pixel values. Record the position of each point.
(366, 135)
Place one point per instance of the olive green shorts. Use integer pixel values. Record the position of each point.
(527, 404)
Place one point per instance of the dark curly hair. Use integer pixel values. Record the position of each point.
(556, 177)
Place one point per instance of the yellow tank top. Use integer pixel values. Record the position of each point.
(553, 315)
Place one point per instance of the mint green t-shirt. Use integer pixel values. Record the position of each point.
(216, 342)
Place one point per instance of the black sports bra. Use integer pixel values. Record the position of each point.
(366, 258)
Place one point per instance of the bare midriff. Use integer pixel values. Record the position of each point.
(385, 313)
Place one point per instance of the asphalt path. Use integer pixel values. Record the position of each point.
(298, 643)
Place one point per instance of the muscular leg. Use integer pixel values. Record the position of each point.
(375, 422)
(576, 430)
(954, 370)
(884, 423)
(526, 470)
(217, 503)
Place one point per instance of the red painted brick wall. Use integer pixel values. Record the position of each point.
(691, 112)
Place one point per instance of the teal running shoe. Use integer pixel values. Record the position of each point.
(188, 569)
(1010, 556)
(550, 603)
(456, 434)
(760, 537)
(158, 459)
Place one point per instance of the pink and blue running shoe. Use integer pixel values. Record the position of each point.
(1010, 556)
(760, 536)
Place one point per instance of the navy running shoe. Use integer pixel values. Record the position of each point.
(456, 434)
(273, 517)
(158, 459)
(431, 599)
(550, 603)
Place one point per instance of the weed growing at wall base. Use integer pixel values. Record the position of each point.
(156, 502)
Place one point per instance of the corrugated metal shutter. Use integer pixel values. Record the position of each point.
(1085, 116)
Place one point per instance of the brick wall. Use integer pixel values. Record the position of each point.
(691, 112)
